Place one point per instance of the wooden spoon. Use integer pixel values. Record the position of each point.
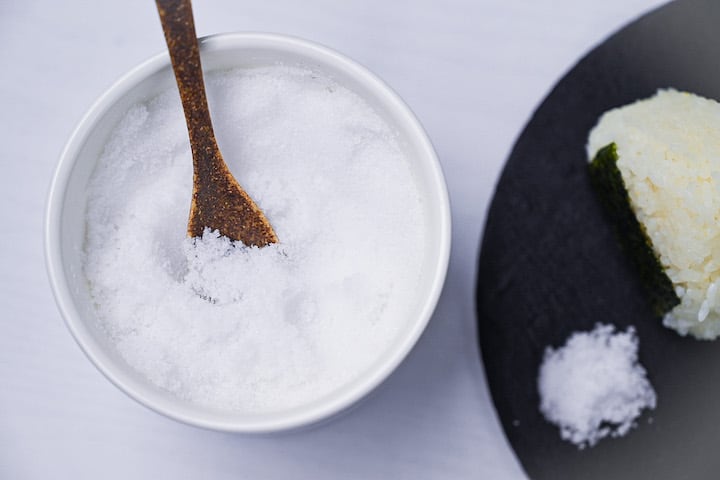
(218, 201)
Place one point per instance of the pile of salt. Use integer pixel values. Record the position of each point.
(593, 386)
(248, 329)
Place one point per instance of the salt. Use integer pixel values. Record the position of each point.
(593, 386)
(249, 329)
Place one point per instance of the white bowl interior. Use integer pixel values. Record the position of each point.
(65, 229)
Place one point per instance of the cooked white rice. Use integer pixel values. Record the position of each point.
(669, 156)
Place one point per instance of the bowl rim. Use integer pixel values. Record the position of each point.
(304, 416)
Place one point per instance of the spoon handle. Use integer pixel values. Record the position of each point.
(178, 26)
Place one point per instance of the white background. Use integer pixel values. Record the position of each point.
(473, 72)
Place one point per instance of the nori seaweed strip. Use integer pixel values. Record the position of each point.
(608, 182)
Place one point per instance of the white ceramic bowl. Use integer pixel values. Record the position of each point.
(65, 222)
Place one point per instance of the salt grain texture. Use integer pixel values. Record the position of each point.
(594, 386)
(248, 329)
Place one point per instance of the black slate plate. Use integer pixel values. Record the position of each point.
(550, 265)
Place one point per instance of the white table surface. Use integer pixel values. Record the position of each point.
(472, 70)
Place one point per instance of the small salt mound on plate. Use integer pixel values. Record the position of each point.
(593, 386)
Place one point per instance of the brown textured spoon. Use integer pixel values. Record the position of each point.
(218, 201)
